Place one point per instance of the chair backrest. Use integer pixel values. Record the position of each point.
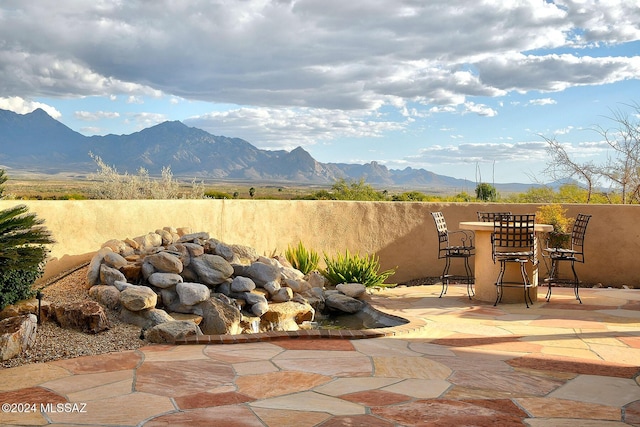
(578, 234)
(492, 216)
(443, 232)
(514, 234)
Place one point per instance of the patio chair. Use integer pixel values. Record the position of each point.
(571, 255)
(492, 216)
(513, 242)
(462, 249)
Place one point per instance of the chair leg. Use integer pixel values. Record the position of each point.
(445, 273)
(499, 283)
(576, 282)
(470, 278)
(552, 277)
(525, 282)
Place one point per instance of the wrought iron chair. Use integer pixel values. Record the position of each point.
(463, 249)
(513, 241)
(572, 255)
(492, 216)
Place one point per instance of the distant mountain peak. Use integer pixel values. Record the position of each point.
(36, 141)
(172, 124)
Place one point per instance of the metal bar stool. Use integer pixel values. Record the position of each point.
(464, 249)
(492, 216)
(513, 241)
(571, 255)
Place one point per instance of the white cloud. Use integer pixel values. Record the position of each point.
(488, 152)
(542, 101)
(134, 100)
(480, 109)
(330, 54)
(96, 115)
(145, 120)
(285, 128)
(23, 106)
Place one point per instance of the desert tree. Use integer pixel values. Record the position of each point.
(562, 166)
(486, 192)
(622, 167)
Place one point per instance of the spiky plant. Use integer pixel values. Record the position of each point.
(301, 258)
(349, 268)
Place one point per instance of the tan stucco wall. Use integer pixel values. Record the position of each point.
(401, 234)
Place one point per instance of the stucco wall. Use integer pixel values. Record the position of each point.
(401, 234)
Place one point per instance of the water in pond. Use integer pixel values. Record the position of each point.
(368, 318)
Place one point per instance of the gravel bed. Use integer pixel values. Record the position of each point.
(55, 343)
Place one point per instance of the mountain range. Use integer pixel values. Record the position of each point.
(36, 142)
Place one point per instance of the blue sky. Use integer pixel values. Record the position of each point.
(453, 87)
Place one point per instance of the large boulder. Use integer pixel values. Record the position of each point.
(286, 316)
(211, 269)
(86, 316)
(242, 284)
(272, 287)
(262, 273)
(145, 319)
(245, 254)
(108, 296)
(17, 334)
(110, 275)
(114, 260)
(317, 280)
(166, 236)
(115, 245)
(343, 303)
(297, 286)
(172, 331)
(225, 251)
(192, 293)
(138, 298)
(93, 272)
(353, 290)
(164, 280)
(219, 316)
(165, 262)
(148, 241)
(260, 308)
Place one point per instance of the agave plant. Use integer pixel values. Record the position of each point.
(350, 268)
(303, 259)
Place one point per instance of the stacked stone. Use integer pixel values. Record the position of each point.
(173, 284)
(150, 278)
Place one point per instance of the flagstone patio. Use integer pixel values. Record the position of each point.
(458, 362)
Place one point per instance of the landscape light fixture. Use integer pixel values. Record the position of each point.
(39, 296)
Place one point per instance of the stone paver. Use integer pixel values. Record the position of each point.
(462, 363)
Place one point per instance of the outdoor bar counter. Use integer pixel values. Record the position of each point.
(486, 271)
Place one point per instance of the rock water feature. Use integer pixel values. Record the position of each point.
(173, 283)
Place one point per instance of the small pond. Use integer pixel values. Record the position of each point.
(367, 318)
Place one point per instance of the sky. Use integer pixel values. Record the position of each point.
(468, 89)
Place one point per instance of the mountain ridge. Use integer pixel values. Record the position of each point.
(36, 141)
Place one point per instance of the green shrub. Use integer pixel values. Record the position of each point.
(349, 268)
(212, 194)
(15, 285)
(22, 253)
(555, 215)
(302, 259)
